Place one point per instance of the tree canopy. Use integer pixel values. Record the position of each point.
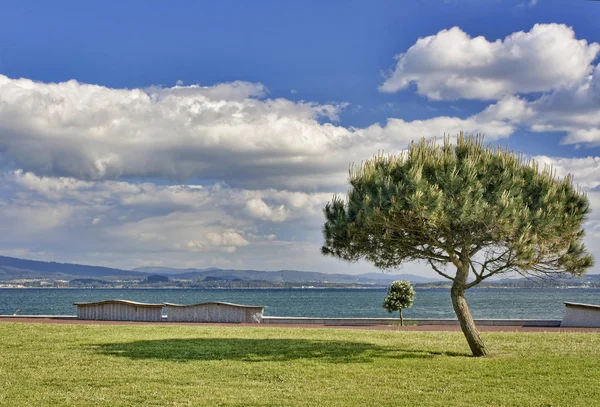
(480, 209)
(400, 295)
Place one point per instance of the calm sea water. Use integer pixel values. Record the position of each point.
(544, 303)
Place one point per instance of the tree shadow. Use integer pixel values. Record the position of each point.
(260, 350)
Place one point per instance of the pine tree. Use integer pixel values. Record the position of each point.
(400, 295)
(468, 210)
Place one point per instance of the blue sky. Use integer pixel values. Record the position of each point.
(263, 68)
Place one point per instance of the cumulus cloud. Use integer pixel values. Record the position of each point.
(574, 110)
(93, 132)
(548, 59)
(510, 109)
(257, 208)
(123, 224)
(152, 222)
(453, 65)
(227, 241)
(227, 132)
(494, 128)
(151, 198)
(34, 217)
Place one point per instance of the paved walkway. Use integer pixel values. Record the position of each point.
(366, 327)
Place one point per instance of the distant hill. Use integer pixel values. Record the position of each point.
(289, 276)
(551, 281)
(170, 270)
(12, 268)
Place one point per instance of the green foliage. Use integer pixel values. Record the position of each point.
(400, 295)
(478, 207)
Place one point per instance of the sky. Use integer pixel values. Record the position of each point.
(211, 134)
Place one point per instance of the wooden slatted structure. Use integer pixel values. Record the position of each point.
(581, 315)
(119, 310)
(215, 312)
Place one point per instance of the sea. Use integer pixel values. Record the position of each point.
(520, 303)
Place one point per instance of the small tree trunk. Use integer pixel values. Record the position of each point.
(467, 324)
(401, 319)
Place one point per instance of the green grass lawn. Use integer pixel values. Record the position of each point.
(101, 365)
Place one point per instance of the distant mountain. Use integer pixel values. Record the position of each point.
(549, 281)
(170, 270)
(12, 268)
(289, 276)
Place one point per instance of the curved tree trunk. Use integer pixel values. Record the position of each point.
(467, 324)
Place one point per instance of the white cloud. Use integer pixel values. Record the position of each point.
(48, 186)
(226, 132)
(257, 208)
(223, 131)
(510, 109)
(34, 217)
(453, 65)
(121, 221)
(574, 110)
(227, 242)
(436, 127)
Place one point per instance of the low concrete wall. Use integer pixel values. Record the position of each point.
(119, 310)
(408, 321)
(581, 315)
(38, 316)
(214, 312)
(550, 323)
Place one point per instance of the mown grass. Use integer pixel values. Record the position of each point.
(100, 365)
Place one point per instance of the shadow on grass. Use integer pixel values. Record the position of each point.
(260, 350)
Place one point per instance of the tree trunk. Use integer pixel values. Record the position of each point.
(401, 319)
(463, 314)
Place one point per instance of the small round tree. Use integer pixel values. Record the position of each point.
(400, 295)
(468, 210)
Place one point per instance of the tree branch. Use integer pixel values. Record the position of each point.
(475, 250)
(477, 275)
(430, 254)
(441, 273)
(478, 280)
